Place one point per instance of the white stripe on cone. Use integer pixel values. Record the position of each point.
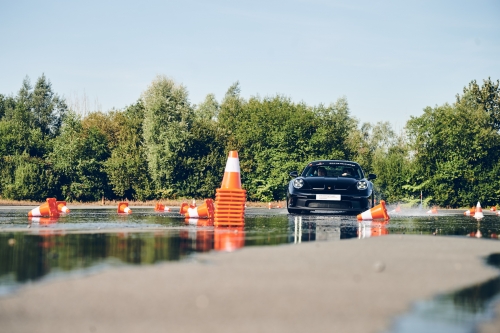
(64, 209)
(166, 209)
(193, 212)
(367, 215)
(479, 211)
(233, 165)
(36, 211)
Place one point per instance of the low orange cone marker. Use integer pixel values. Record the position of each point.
(479, 211)
(185, 206)
(161, 208)
(493, 209)
(48, 209)
(230, 198)
(269, 206)
(62, 208)
(204, 211)
(123, 208)
(377, 212)
(433, 210)
(470, 212)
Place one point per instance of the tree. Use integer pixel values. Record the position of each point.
(166, 127)
(487, 95)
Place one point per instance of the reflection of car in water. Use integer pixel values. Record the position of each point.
(330, 185)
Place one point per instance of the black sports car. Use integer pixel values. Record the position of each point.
(330, 185)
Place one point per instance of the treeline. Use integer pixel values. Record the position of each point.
(165, 147)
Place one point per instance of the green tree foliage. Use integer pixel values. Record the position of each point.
(166, 128)
(78, 158)
(164, 147)
(126, 168)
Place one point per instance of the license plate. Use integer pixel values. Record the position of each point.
(334, 197)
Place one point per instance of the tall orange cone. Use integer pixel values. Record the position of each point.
(479, 211)
(161, 208)
(48, 209)
(377, 212)
(204, 211)
(62, 208)
(230, 197)
(123, 208)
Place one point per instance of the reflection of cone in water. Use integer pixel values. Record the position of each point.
(161, 208)
(123, 208)
(372, 229)
(377, 212)
(479, 211)
(230, 197)
(478, 234)
(433, 210)
(62, 208)
(48, 209)
(43, 220)
(204, 211)
(199, 222)
(470, 212)
(229, 239)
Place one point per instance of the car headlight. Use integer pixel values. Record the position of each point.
(362, 185)
(298, 183)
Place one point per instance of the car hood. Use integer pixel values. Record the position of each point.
(337, 183)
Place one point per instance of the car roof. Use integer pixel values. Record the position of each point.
(333, 162)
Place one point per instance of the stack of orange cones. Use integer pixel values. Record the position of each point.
(230, 197)
(123, 208)
(48, 209)
(375, 213)
(433, 210)
(479, 211)
(62, 208)
(161, 208)
(470, 212)
(205, 211)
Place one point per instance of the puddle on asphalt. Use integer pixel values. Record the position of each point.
(458, 312)
(90, 240)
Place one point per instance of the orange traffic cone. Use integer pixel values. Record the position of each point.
(123, 208)
(48, 209)
(479, 211)
(204, 211)
(62, 208)
(493, 209)
(470, 212)
(377, 212)
(433, 210)
(161, 208)
(230, 198)
(43, 220)
(185, 206)
(269, 206)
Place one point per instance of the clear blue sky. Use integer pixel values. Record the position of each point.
(389, 58)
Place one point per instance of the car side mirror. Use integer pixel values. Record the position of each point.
(294, 174)
(372, 176)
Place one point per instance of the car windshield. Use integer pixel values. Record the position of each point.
(333, 170)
